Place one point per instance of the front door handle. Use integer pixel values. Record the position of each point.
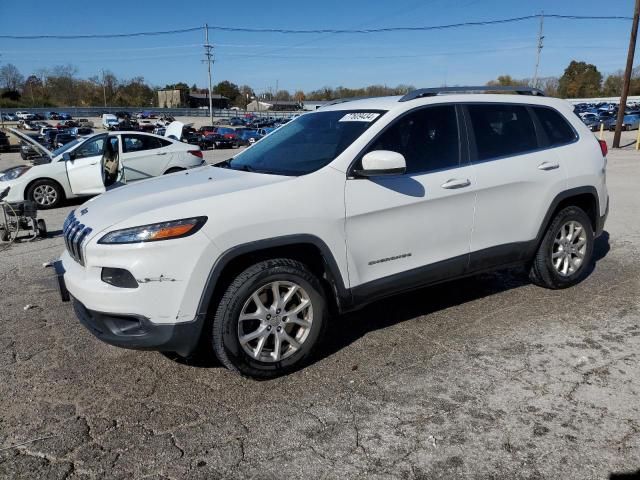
(548, 166)
(456, 183)
(161, 153)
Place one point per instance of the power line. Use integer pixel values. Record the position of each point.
(315, 31)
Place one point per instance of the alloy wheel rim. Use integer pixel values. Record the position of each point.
(569, 248)
(275, 321)
(45, 195)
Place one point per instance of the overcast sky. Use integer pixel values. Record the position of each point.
(471, 55)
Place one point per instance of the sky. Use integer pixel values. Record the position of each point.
(464, 56)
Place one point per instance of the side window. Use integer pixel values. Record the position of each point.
(428, 139)
(90, 148)
(502, 130)
(131, 143)
(136, 143)
(555, 126)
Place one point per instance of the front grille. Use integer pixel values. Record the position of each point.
(74, 234)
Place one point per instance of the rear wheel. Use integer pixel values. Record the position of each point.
(270, 319)
(45, 193)
(566, 252)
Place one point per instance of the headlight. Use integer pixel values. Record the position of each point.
(155, 232)
(13, 173)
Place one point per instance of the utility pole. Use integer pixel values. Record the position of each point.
(627, 75)
(540, 46)
(208, 48)
(104, 89)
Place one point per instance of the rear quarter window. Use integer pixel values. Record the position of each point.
(558, 130)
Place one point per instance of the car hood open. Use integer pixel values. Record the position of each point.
(145, 198)
(32, 142)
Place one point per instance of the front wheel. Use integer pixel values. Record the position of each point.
(565, 254)
(270, 319)
(46, 193)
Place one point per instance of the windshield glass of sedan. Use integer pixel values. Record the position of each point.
(67, 146)
(306, 144)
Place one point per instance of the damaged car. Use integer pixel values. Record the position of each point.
(77, 168)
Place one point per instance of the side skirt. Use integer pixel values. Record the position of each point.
(494, 258)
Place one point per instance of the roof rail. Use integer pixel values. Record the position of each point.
(343, 100)
(431, 92)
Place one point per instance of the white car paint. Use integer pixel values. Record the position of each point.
(82, 175)
(363, 222)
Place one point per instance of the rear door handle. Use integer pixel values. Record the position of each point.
(161, 153)
(456, 183)
(548, 166)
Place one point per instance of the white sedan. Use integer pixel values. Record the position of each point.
(79, 167)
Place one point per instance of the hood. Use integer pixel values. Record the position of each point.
(174, 129)
(155, 199)
(32, 142)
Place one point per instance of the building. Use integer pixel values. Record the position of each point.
(310, 105)
(196, 100)
(172, 98)
(274, 106)
(184, 98)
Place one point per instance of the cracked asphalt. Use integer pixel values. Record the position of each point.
(487, 378)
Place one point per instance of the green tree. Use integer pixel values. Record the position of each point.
(612, 85)
(506, 81)
(580, 80)
(227, 89)
(176, 86)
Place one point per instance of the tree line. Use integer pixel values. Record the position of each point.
(60, 86)
(579, 80)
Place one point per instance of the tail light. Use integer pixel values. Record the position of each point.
(197, 153)
(603, 147)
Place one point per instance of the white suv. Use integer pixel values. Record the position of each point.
(342, 206)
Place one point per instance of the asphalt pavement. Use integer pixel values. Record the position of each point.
(488, 377)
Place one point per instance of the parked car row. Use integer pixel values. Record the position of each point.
(52, 138)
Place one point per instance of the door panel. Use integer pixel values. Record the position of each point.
(424, 217)
(84, 170)
(517, 180)
(398, 224)
(143, 156)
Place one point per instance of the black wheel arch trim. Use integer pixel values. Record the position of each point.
(572, 192)
(341, 292)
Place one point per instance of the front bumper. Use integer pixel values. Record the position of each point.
(138, 333)
(133, 331)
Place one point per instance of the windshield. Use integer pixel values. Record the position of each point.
(66, 146)
(307, 144)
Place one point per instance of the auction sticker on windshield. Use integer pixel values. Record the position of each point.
(359, 117)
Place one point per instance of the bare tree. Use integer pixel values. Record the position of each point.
(10, 77)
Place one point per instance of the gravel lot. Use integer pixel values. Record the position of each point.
(489, 377)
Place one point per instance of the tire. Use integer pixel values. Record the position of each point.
(45, 193)
(42, 228)
(173, 170)
(257, 282)
(564, 259)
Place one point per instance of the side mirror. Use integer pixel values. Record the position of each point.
(67, 157)
(382, 163)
